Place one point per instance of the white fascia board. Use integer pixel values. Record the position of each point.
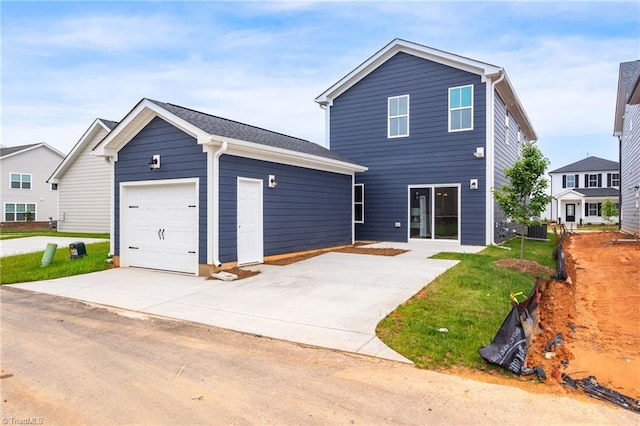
(257, 151)
(136, 120)
(513, 104)
(88, 135)
(568, 192)
(439, 56)
(31, 148)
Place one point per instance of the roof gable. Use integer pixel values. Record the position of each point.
(589, 164)
(89, 135)
(207, 129)
(21, 149)
(628, 91)
(485, 70)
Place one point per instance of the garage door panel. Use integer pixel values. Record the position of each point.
(160, 227)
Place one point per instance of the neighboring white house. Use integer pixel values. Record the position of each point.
(579, 190)
(627, 129)
(84, 184)
(24, 191)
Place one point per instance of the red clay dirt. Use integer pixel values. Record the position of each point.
(596, 311)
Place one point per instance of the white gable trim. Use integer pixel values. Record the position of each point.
(88, 135)
(31, 148)
(146, 111)
(136, 120)
(569, 193)
(456, 61)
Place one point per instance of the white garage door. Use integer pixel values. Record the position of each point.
(159, 226)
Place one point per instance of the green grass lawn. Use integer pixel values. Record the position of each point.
(470, 300)
(27, 267)
(10, 234)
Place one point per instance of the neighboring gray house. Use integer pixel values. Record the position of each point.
(579, 190)
(436, 131)
(627, 128)
(84, 184)
(193, 191)
(24, 191)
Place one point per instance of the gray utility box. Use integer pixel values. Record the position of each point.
(537, 231)
(77, 250)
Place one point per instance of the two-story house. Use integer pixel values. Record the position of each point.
(436, 131)
(627, 130)
(579, 190)
(24, 192)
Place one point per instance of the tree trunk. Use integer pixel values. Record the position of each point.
(522, 247)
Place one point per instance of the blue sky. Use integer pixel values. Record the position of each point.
(263, 63)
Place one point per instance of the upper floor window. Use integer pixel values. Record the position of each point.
(398, 116)
(571, 181)
(54, 186)
(615, 179)
(460, 108)
(20, 181)
(593, 181)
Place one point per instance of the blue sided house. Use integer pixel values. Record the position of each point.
(436, 131)
(192, 191)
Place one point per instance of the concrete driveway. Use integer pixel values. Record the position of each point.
(15, 246)
(334, 300)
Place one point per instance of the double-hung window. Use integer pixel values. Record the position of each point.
(358, 203)
(398, 116)
(615, 179)
(20, 181)
(17, 212)
(460, 108)
(571, 181)
(593, 181)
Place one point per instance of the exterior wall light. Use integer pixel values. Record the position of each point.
(154, 163)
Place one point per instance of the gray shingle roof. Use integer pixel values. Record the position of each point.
(13, 149)
(598, 192)
(629, 73)
(233, 129)
(589, 164)
(110, 124)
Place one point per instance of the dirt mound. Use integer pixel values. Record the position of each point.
(524, 265)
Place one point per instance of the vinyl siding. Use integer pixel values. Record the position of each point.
(630, 171)
(507, 151)
(309, 209)
(180, 157)
(84, 192)
(40, 163)
(430, 155)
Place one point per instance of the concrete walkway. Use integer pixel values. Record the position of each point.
(334, 300)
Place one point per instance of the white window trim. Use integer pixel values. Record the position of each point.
(21, 175)
(573, 179)
(15, 211)
(595, 184)
(449, 109)
(612, 179)
(358, 202)
(389, 117)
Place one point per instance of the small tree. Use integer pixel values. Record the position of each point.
(525, 197)
(609, 212)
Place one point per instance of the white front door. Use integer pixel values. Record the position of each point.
(159, 226)
(249, 213)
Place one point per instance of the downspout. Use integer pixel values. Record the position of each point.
(327, 123)
(112, 207)
(491, 161)
(213, 204)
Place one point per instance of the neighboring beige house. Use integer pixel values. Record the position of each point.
(84, 184)
(24, 191)
(627, 128)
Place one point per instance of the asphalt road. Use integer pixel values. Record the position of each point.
(65, 362)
